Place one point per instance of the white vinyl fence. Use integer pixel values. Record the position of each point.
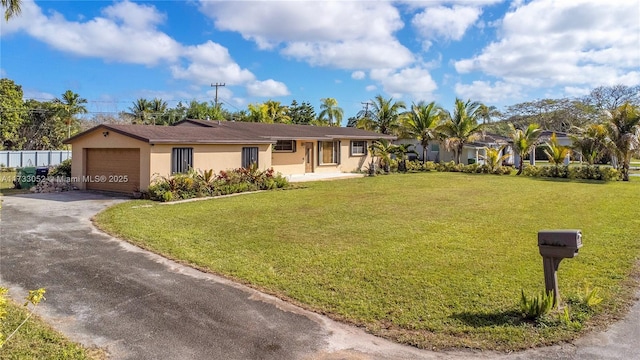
(33, 157)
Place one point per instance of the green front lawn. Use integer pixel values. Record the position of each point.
(435, 260)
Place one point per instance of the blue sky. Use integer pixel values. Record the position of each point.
(497, 52)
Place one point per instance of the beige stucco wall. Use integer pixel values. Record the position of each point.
(347, 163)
(155, 159)
(288, 163)
(96, 139)
(206, 157)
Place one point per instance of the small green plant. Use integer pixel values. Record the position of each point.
(591, 297)
(565, 318)
(34, 298)
(536, 306)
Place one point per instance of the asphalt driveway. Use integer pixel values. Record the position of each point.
(104, 292)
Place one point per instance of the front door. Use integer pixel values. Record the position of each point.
(308, 157)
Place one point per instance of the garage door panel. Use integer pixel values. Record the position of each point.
(115, 170)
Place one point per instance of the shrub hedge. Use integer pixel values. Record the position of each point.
(195, 184)
(586, 172)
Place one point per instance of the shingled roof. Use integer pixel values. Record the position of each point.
(228, 132)
(288, 131)
(181, 134)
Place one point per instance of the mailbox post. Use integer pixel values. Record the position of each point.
(554, 246)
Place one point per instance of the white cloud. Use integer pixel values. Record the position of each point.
(547, 43)
(371, 88)
(415, 82)
(127, 33)
(211, 62)
(574, 91)
(358, 75)
(267, 88)
(342, 34)
(350, 54)
(488, 93)
(449, 23)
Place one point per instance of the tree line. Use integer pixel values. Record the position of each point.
(607, 116)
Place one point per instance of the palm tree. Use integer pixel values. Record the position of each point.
(402, 151)
(524, 141)
(140, 111)
(384, 115)
(462, 127)
(277, 113)
(624, 136)
(487, 112)
(257, 113)
(158, 109)
(421, 123)
(592, 142)
(382, 149)
(72, 105)
(12, 8)
(556, 152)
(331, 112)
(492, 158)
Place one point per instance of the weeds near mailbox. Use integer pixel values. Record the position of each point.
(536, 306)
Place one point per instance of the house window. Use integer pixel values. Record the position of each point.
(358, 148)
(181, 160)
(249, 156)
(285, 146)
(328, 152)
(435, 147)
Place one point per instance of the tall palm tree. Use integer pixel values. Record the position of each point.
(277, 113)
(487, 112)
(12, 8)
(72, 105)
(524, 141)
(158, 109)
(330, 111)
(140, 111)
(384, 115)
(421, 123)
(624, 136)
(462, 127)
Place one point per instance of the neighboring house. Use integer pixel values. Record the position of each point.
(124, 158)
(474, 151)
(471, 152)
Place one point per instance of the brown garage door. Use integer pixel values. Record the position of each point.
(112, 169)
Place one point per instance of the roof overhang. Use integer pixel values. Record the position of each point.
(210, 142)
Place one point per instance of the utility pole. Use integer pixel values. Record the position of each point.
(216, 85)
(366, 108)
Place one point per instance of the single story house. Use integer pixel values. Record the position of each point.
(124, 158)
(471, 152)
(474, 151)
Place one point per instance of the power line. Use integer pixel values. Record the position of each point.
(366, 107)
(217, 85)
